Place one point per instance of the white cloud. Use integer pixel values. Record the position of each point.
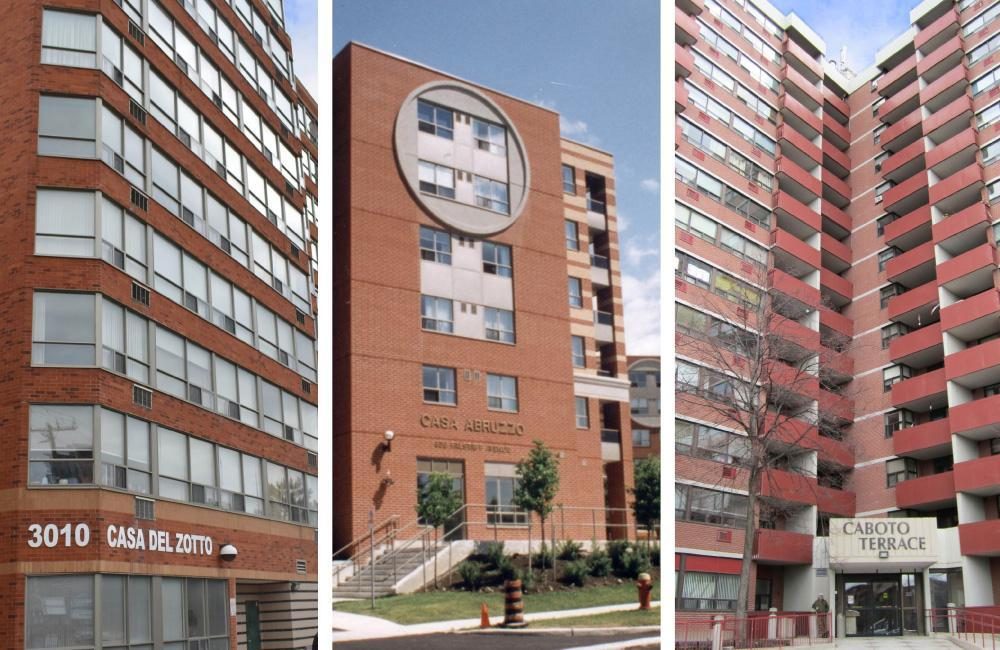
(641, 294)
(572, 128)
(650, 185)
(300, 23)
(623, 222)
(633, 254)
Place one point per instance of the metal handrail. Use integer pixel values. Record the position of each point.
(362, 538)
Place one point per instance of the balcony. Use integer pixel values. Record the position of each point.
(949, 121)
(795, 145)
(901, 104)
(795, 217)
(796, 181)
(937, 33)
(793, 338)
(974, 318)
(835, 160)
(691, 7)
(926, 492)
(684, 62)
(838, 290)
(976, 420)
(912, 268)
(788, 487)
(959, 232)
(783, 547)
(920, 348)
(902, 133)
(798, 388)
(910, 230)
(680, 100)
(975, 367)
(969, 273)
(600, 270)
(836, 104)
(904, 73)
(835, 452)
(980, 538)
(686, 30)
(835, 221)
(836, 132)
(836, 502)
(980, 476)
(604, 329)
(904, 163)
(921, 393)
(836, 322)
(907, 196)
(836, 406)
(801, 61)
(835, 190)
(793, 432)
(792, 254)
(801, 88)
(914, 306)
(943, 59)
(836, 367)
(928, 440)
(954, 154)
(958, 191)
(799, 117)
(949, 87)
(796, 297)
(837, 255)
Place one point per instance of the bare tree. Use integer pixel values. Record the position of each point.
(757, 369)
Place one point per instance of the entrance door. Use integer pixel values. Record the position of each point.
(454, 528)
(253, 625)
(872, 606)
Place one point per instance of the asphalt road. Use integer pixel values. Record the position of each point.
(493, 641)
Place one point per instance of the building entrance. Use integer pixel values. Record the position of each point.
(872, 605)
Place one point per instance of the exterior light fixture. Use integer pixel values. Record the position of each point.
(228, 552)
(387, 445)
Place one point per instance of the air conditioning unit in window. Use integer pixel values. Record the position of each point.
(138, 199)
(136, 33)
(312, 459)
(300, 567)
(300, 317)
(140, 294)
(144, 508)
(306, 387)
(137, 112)
(142, 396)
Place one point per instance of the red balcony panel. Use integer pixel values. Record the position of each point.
(836, 132)
(927, 440)
(966, 228)
(900, 97)
(680, 101)
(796, 333)
(799, 141)
(788, 103)
(910, 260)
(789, 487)
(956, 77)
(918, 347)
(975, 366)
(974, 317)
(964, 180)
(907, 126)
(980, 538)
(793, 288)
(926, 491)
(907, 154)
(793, 49)
(919, 218)
(950, 119)
(913, 299)
(836, 322)
(836, 452)
(978, 419)
(964, 142)
(684, 63)
(793, 431)
(836, 248)
(839, 187)
(978, 259)
(921, 389)
(916, 184)
(783, 547)
(686, 30)
(836, 363)
(836, 405)
(838, 162)
(902, 69)
(980, 476)
(795, 247)
(836, 502)
(833, 282)
(836, 103)
(837, 216)
(794, 380)
(691, 7)
(943, 58)
(786, 167)
(789, 208)
(804, 85)
(932, 36)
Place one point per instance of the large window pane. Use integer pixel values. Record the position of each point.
(69, 39)
(64, 330)
(59, 612)
(64, 223)
(67, 126)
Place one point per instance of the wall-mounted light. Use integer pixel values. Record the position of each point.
(387, 445)
(228, 552)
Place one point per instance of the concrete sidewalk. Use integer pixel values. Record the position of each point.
(357, 627)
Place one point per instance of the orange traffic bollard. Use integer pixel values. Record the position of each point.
(484, 616)
(645, 589)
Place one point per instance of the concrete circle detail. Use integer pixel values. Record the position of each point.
(463, 216)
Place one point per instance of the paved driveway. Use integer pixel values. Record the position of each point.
(894, 643)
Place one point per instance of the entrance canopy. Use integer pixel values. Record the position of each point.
(883, 544)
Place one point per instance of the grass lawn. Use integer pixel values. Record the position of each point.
(630, 618)
(452, 605)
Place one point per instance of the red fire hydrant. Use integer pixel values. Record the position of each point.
(645, 589)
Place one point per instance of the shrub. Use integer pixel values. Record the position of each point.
(494, 552)
(575, 572)
(472, 574)
(654, 553)
(506, 568)
(617, 549)
(527, 580)
(569, 551)
(634, 562)
(599, 563)
(543, 558)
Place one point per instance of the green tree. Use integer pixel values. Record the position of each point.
(537, 483)
(437, 500)
(647, 494)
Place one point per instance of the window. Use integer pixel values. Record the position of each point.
(569, 179)
(640, 437)
(885, 256)
(699, 180)
(496, 259)
(437, 179)
(499, 324)
(898, 470)
(639, 406)
(501, 393)
(490, 194)
(67, 624)
(435, 120)
(436, 314)
(69, 39)
(501, 484)
(575, 292)
(572, 229)
(125, 342)
(991, 152)
(993, 192)
(126, 611)
(453, 468)
(64, 223)
(435, 246)
(579, 355)
(706, 506)
(708, 591)
(887, 293)
(123, 240)
(582, 413)
(894, 374)
(125, 459)
(875, 105)
(61, 444)
(67, 126)
(884, 221)
(877, 135)
(194, 610)
(897, 421)
(489, 137)
(64, 330)
(286, 493)
(439, 385)
(713, 444)
(893, 331)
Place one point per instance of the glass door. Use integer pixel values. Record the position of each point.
(873, 606)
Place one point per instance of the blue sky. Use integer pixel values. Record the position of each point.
(300, 23)
(594, 61)
(864, 26)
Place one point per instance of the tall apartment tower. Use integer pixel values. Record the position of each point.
(158, 386)
(644, 407)
(863, 204)
(478, 308)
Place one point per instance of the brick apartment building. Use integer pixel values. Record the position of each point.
(864, 204)
(158, 392)
(644, 398)
(478, 306)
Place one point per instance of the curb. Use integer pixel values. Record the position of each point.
(567, 631)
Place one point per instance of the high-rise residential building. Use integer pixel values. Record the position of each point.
(863, 204)
(158, 386)
(644, 405)
(477, 302)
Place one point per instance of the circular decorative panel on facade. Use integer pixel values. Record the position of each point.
(462, 157)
